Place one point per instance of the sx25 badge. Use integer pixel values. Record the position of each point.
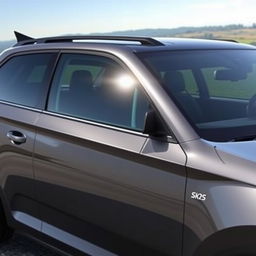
(198, 196)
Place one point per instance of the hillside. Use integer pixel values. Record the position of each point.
(236, 32)
(245, 35)
(5, 44)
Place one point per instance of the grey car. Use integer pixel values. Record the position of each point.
(129, 145)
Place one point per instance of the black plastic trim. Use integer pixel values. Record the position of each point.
(63, 39)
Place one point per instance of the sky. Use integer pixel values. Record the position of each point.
(40, 18)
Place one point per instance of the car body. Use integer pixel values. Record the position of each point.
(129, 169)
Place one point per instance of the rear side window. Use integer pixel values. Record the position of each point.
(97, 88)
(23, 79)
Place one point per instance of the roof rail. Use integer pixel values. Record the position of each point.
(25, 40)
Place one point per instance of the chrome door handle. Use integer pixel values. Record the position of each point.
(16, 137)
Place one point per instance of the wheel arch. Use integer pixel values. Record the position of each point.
(231, 241)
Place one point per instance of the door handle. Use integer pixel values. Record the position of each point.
(16, 137)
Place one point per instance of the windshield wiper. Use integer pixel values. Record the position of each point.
(244, 138)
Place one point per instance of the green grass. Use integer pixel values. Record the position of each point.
(242, 89)
(244, 35)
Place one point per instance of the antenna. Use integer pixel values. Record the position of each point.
(20, 37)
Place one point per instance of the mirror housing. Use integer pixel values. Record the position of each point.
(153, 126)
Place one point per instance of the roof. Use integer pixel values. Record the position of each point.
(122, 43)
(194, 44)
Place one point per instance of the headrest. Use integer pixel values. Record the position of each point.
(174, 81)
(81, 78)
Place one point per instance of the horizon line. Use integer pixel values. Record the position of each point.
(139, 29)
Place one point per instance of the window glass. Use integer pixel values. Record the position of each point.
(190, 83)
(228, 76)
(23, 78)
(234, 89)
(96, 88)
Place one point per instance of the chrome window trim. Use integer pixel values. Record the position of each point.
(169, 138)
(107, 126)
(20, 106)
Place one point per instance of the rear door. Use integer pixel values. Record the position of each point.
(23, 82)
(104, 187)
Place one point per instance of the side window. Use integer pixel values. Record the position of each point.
(97, 88)
(23, 78)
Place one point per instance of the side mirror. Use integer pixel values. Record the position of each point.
(153, 125)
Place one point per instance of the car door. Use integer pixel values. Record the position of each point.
(103, 186)
(23, 79)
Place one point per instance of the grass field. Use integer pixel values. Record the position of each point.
(242, 89)
(244, 35)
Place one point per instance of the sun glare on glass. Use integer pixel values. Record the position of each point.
(125, 82)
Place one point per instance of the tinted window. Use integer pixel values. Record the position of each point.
(23, 79)
(97, 88)
(236, 89)
(189, 80)
(225, 107)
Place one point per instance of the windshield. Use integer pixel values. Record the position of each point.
(215, 89)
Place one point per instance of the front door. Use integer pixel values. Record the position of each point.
(104, 187)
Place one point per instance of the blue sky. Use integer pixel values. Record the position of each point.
(40, 18)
